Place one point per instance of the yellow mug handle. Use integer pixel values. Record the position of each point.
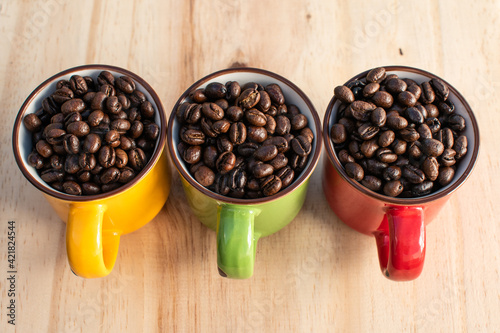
(91, 250)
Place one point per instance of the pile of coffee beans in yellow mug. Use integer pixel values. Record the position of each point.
(92, 136)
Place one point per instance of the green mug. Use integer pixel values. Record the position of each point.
(240, 223)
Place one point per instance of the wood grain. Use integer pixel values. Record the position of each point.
(316, 275)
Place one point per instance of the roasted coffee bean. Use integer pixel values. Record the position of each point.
(72, 188)
(396, 122)
(71, 144)
(83, 176)
(395, 85)
(413, 174)
(71, 164)
(125, 84)
(428, 95)
(456, 122)
(62, 95)
(344, 157)
(386, 138)
(113, 106)
(298, 122)
(414, 115)
(446, 175)
(237, 178)
(137, 98)
(283, 125)
(370, 89)
(108, 90)
(257, 134)
(205, 176)
(121, 125)
(371, 182)
(44, 149)
(460, 147)
(224, 144)
(424, 131)
(378, 117)
(440, 89)
(382, 99)
(225, 162)
(279, 161)
(221, 184)
(409, 134)
(234, 113)
(421, 189)
(406, 98)
(151, 131)
(308, 133)
(270, 125)
(414, 150)
(361, 110)
(137, 159)
(73, 105)
(393, 188)
(271, 185)
(447, 158)
(126, 175)
(233, 90)
(52, 175)
(55, 136)
(434, 124)
(415, 90)
(56, 162)
(344, 94)
(262, 170)
(193, 137)
(355, 150)
(78, 84)
(247, 149)
(212, 111)
(121, 158)
(255, 117)
(386, 155)
(90, 188)
(399, 146)
(92, 143)
(266, 153)
(238, 133)
(95, 118)
(367, 131)
(446, 108)
(32, 122)
(210, 156)
(191, 155)
(87, 161)
(198, 95)
(110, 175)
(249, 98)
(368, 148)
(78, 128)
(35, 160)
(215, 90)
(301, 146)
(106, 156)
(446, 137)
(264, 101)
(376, 75)
(355, 171)
(392, 173)
(432, 147)
(280, 142)
(430, 167)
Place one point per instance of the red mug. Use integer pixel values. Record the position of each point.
(398, 224)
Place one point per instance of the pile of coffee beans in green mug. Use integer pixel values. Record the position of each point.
(243, 141)
(398, 137)
(92, 136)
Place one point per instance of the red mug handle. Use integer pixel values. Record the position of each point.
(401, 243)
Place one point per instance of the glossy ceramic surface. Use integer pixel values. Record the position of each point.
(95, 223)
(397, 224)
(239, 223)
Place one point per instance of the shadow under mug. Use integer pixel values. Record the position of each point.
(94, 223)
(240, 223)
(398, 224)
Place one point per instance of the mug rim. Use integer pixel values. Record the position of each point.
(41, 88)
(305, 174)
(332, 156)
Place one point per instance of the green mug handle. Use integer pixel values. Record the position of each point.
(236, 241)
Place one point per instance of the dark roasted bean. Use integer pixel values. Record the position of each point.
(376, 75)
(460, 146)
(72, 188)
(413, 174)
(432, 147)
(355, 171)
(393, 188)
(344, 94)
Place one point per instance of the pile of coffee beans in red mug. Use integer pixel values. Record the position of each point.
(92, 136)
(397, 137)
(243, 141)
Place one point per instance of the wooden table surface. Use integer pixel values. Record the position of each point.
(315, 275)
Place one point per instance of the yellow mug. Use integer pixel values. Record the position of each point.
(94, 223)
